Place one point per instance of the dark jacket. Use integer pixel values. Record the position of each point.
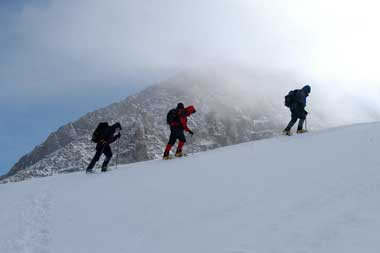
(299, 104)
(300, 98)
(108, 135)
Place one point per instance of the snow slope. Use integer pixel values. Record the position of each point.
(317, 192)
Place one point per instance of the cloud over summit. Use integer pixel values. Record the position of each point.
(61, 47)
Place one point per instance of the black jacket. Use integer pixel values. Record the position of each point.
(108, 135)
(298, 106)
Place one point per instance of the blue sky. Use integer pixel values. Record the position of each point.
(60, 59)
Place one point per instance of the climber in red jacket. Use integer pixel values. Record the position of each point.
(177, 120)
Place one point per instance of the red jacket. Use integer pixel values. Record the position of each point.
(183, 114)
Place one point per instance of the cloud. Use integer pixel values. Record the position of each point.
(67, 44)
(73, 46)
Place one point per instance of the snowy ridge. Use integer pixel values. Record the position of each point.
(316, 192)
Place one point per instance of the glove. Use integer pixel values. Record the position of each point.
(191, 132)
(103, 142)
(118, 136)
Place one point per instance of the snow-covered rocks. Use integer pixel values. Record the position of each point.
(223, 118)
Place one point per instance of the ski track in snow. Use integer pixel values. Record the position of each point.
(33, 231)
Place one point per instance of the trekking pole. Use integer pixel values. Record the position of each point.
(117, 152)
(104, 145)
(306, 124)
(192, 146)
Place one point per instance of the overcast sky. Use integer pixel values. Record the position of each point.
(54, 53)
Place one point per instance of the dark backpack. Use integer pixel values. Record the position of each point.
(99, 132)
(172, 116)
(290, 98)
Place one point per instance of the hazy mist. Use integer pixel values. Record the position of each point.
(66, 47)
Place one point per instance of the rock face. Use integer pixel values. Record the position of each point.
(226, 114)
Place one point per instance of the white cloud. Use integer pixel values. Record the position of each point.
(68, 45)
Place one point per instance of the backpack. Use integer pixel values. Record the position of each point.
(98, 134)
(290, 98)
(172, 116)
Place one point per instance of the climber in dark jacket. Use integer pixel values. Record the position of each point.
(105, 138)
(297, 108)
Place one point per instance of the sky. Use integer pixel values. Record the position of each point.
(63, 58)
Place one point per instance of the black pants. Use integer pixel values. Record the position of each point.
(297, 113)
(176, 133)
(101, 149)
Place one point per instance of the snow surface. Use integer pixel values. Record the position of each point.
(317, 192)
